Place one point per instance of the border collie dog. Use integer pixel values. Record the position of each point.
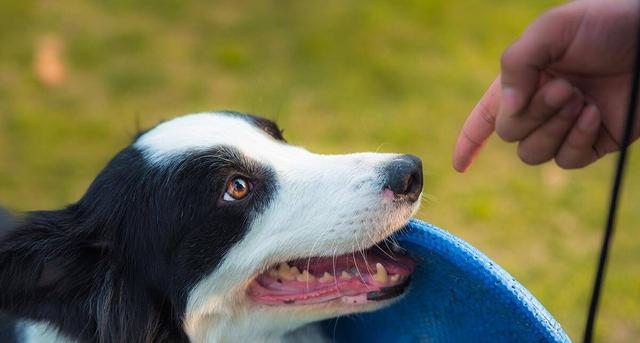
(211, 228)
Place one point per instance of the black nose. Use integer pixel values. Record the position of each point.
(404, 177)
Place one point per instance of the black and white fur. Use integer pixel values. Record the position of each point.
(152, 254)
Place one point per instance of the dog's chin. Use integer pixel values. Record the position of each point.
(300, 315)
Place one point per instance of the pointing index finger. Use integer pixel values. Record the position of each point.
(477, 128)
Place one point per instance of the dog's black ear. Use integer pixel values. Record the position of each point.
(42, 257)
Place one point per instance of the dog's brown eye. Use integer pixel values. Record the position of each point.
(237, 188)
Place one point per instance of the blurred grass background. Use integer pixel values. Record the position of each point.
(77, 78)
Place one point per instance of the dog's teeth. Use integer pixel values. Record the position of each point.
(273, 272)
(283, 266)
(381, 275)
(285, 272)
(345, 276)
(295, 271)
(305, 277)
(395, 278)
(326, 277)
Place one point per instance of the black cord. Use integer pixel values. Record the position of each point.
(615, 194)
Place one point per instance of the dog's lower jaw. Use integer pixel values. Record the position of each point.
(214, 331)
(244, 321)
(250, 324)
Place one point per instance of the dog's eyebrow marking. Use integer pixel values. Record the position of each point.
(196, 132)
(268, 126)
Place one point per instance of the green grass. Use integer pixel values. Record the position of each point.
(339, 76)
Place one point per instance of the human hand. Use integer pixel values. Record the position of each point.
(564, 87)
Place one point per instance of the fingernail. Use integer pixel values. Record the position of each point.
(510, 101)
(589, 120)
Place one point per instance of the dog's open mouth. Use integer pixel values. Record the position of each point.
(354, 278)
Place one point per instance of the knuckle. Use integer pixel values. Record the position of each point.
(531, 156)
(527, 158)
(555, 13)
(567, 163)
(486, 115)
(508, 133)
(470, 138)
(562, 163)
(507, 136)
(551, 18)
(511, 138)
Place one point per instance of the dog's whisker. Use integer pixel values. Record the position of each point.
(312, 252)
(365, 261)
(355, 262)
(364, 256)
(335, 276)
(335, 329)
(394, 244)
(380, 147)
(390, 255)
(379, 247)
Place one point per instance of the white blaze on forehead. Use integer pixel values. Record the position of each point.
(203, 131)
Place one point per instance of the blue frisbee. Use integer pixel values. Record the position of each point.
(457, 294)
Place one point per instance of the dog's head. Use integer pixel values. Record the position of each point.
(243, 232)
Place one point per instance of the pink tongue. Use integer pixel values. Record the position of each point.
(293, 291)
(276, 285)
